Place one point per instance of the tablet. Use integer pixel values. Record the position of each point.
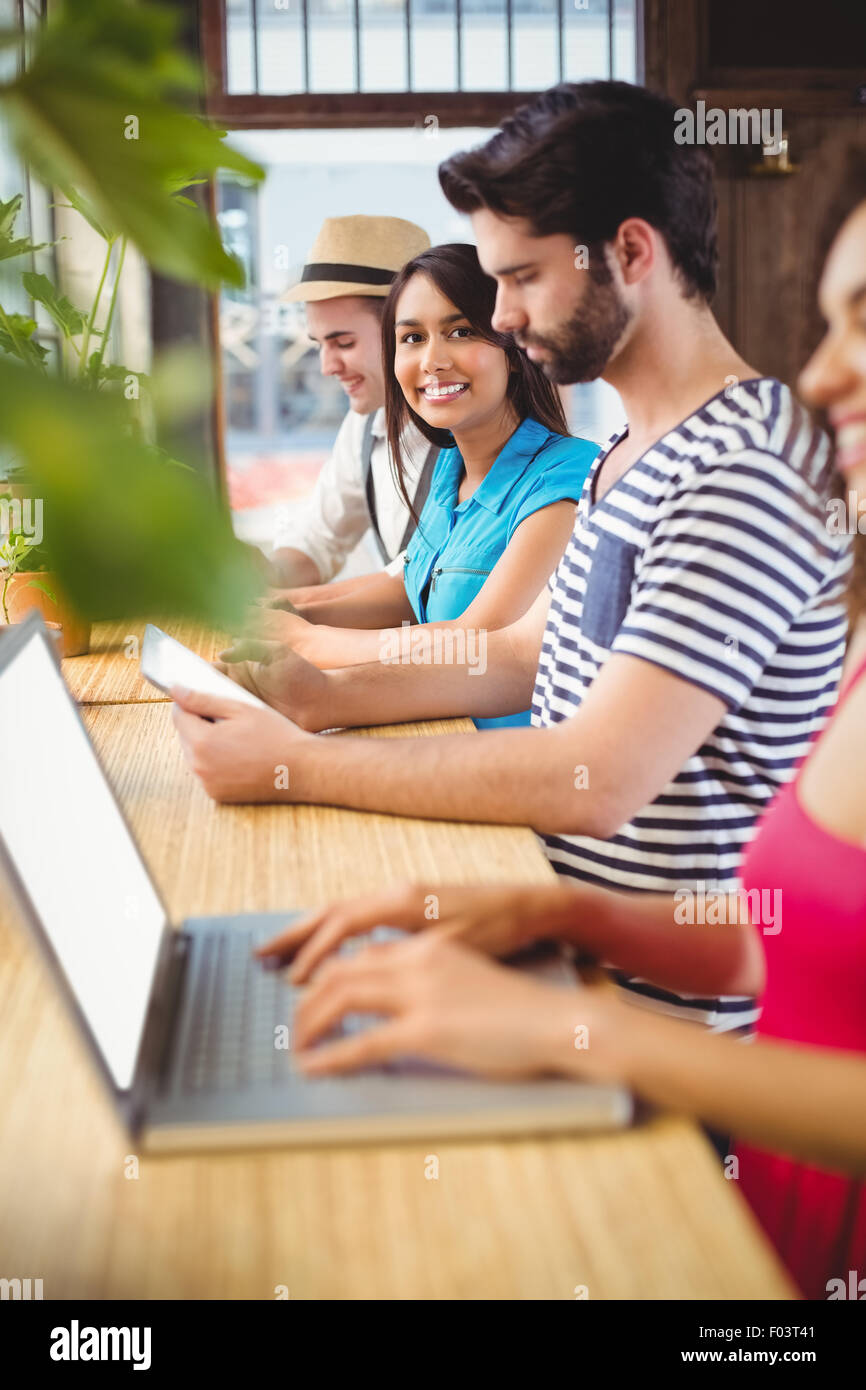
(166, 662)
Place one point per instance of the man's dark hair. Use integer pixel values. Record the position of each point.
(374, 303)
(585, 156)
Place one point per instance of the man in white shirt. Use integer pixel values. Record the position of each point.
(344, 285)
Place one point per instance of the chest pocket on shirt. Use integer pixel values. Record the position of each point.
(608, 589)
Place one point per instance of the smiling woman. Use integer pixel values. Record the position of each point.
(438, 333)
(500, 508)
(503, 494)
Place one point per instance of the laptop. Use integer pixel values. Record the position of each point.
(190, 1033)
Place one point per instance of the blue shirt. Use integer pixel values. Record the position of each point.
(457, 544)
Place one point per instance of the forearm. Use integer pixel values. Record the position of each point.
(639, 934)
(376, 603)
(807, 1102)
(409, 644)
(316, 594)
(401, 692)
(332, 647)
(499, 776)
(292, 568)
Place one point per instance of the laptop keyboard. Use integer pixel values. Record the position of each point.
(238, 1018)
(238, 1021)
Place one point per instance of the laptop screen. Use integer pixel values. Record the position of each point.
(75, 856)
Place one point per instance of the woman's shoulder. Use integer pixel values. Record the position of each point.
(570, 446)
(557, 472)
(563, 452)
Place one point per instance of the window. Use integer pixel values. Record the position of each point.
(268, 57)
(36, 216)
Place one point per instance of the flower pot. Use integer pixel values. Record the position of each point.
(55, 637)
(22, 595)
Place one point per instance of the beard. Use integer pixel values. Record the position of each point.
(581, 349)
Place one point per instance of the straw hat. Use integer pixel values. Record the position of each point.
(357, 255)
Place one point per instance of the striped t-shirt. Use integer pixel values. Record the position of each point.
(711, 558)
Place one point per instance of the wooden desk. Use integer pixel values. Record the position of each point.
(641, 1214)
(108, 674)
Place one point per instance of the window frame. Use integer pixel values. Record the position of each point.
(323, 110)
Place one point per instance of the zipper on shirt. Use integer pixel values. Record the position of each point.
(451, 569)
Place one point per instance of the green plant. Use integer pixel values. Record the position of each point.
(17, 546)
(77, 327)
(100, 114)
(14, 550)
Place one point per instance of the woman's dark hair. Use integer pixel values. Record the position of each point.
(582, 158)
(835, 183)
(455, 271)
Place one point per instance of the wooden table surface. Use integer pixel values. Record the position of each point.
(645, 1213)
(108, 674)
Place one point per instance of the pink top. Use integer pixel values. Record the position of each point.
(816, 995)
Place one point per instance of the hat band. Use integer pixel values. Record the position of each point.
(354, 274)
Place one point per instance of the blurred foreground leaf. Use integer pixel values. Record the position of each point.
(128, 533)
(96, 112)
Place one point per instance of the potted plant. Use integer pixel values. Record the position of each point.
(20, 557)
(26, 582)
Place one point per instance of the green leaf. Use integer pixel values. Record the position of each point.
(82, 205)
(127, 534)
(22, 247)
(8, 212)
(97, 111)
(179, 182)
(117, 372)
(16, 339)
(9, 247)
(14, 550)
(69, 320)
(43, 588)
